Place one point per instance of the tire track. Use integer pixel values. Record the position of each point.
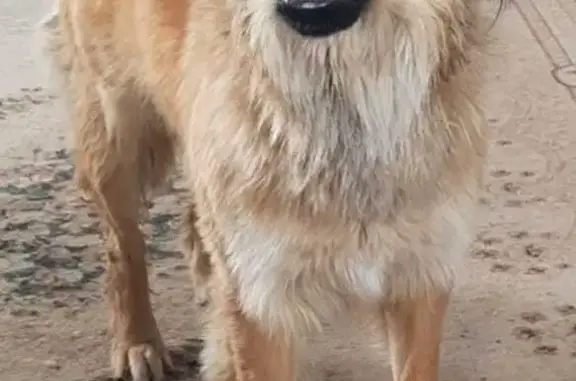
(553, 25)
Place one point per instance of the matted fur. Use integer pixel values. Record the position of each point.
(324, 172)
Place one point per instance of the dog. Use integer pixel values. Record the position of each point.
(334, 151)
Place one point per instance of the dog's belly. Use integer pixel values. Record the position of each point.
(295, 281)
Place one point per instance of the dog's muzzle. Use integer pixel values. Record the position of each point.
(320, 18)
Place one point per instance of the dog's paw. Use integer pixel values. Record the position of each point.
(143, 362)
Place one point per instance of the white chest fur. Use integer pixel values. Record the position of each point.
(296, 281)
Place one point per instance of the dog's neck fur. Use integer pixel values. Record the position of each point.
(349, 120)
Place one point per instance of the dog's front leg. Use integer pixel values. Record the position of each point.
(240, 349)
(414, 336)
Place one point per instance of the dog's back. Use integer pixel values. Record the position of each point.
(132, 43)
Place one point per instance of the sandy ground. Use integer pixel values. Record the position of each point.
(513, 318)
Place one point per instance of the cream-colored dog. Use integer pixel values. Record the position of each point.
(334, 150)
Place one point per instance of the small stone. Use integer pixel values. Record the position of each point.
(70, 277)
(75, 247)
(94, 273)
(526, 333)
(162, 218)
(92, 228)
(533, 251)
(510, 187)
(500, 267)
(483, 201)
(518, 235)
(63, 175)
(487, 253)
(33, 206)
(5, 244)
(12, 190)
(163, 275)
(500, 173)
(17, 226)
(55, 229)
(566, 309)
(52, 261)
(21, 312)
(43, 240)
(533, 317)
(181, 267)
(59, 304)
(40, 192)
(514, 203)
(29, 247)
(156, 252)
(536, 270)
(548, 350)
(491, 241)
(52, 364)
(61, 154)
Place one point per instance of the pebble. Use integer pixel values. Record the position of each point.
(52, 364)
(70, 277)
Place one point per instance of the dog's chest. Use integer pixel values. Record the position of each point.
(285, 281)
(297, 280)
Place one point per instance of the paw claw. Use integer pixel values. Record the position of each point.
(144, 362)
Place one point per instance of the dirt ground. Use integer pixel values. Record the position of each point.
(513, 317)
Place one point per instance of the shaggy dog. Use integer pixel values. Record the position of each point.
(334, 151)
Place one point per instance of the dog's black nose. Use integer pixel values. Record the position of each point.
(320, 18)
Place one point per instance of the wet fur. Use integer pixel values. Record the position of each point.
(324, 173)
